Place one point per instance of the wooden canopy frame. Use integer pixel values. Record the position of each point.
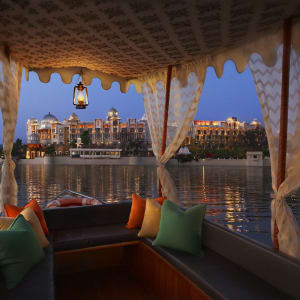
(287, 33)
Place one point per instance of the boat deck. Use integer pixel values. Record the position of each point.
(113, 283)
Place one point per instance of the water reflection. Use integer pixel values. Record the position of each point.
(236, 197)
(110, 183)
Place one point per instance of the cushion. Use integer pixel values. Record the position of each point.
(12, 211)
(5, 223)
(160, 200)
(137, 212)
(38, 284)
(150, 226)
(179, 229)
(31, 217)
(20, 250)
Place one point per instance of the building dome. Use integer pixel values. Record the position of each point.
(33, 139)
(49, 118)
(231, 119)
(47, 121)
(255, 123)
(73, 117)
(112, 110)
(112, 114)
(32, 120)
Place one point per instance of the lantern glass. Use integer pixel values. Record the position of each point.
(80, 97)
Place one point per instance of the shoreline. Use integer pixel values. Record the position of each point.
(136, 160)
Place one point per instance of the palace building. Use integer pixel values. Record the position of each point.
(113, 131)
(109, 131)
(219, 133)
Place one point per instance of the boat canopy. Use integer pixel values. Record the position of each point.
(125, 41)
(164, 48)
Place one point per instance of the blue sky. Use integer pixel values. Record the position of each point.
(232, 95)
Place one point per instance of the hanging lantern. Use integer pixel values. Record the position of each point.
(80, 96)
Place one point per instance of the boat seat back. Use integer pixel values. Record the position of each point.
(277, 269)
(87, 216)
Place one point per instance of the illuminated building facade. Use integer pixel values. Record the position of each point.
(112, 131)
(219, 133)
(109, 131)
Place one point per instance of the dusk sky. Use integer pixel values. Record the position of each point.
(232, 95)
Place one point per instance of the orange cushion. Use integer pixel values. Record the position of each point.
(160, 200)
(12, 211)
(137, 212)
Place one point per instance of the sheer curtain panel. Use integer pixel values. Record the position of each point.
(268, 86)
(10, 82)
(183, 105)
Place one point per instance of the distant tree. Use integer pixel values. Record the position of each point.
(19, 149)
(256, 140)
(73, 144)
(50, 150)
(85, 139)
(194, 149)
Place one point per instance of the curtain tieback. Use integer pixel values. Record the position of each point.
(7, 156)
(277, 197)
(160, 164)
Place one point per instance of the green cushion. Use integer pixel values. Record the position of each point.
(179, 229)
(20, 250)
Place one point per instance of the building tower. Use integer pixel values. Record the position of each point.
(32, 127)
(113, 120)
(48, 130)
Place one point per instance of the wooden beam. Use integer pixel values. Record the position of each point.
(166, 112)
(287, 30)
(166, 115)
(7, 51)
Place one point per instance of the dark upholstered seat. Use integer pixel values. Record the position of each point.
(265, 263)
(218, 276)
(87, 216)
(38, 284)
(83, 227)
(232, 267)
(77, 238)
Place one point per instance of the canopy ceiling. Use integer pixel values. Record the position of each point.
(127, 39)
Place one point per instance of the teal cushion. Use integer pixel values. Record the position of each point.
(20, 250)
(179, 229)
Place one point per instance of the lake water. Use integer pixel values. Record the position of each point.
(236, 197)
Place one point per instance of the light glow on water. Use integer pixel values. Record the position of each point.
(236, 197)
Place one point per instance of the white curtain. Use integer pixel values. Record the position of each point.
(268, 85)
(10, 82)
(183, 105)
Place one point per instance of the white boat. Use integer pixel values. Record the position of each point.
(69, 198)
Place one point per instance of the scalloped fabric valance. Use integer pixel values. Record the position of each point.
(126, 40)
(240, 56)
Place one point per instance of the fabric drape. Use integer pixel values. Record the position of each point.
(268, 85)
(266, 70)
(183, 105)
(10, 82)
